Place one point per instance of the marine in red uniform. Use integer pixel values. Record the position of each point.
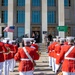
(34, 44)
(26, 67)
(2, 50)
(57, 51)
(68, 55)
(7, 56)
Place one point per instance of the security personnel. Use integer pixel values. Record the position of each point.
(68, 55)
(2, 50)
(26, 66)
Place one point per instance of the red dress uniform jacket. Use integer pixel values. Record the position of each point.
(68, 65)
(36, 46)
(57, 50)
(65, 43)
(24, 64)
(2, 50)
(15, 49)
(8, 55)
(51, 49)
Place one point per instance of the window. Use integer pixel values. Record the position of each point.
(36, 17)
(51, 16)
(4, 2)
(36, 2)
(51, 2)
(67, 2)
(20, 31)
(20, 2)
(5, 34)
(4, 18)
(20, 16)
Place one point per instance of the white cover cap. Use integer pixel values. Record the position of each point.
(7, 38)
(54, 39)
(10, 42)
(4, 41)
(26, 39)
(70, 38)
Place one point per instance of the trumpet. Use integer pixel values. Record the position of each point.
(8, 49)
(39, 53)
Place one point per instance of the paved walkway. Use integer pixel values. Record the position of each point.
(41, 68)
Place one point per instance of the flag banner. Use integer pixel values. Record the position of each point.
(9, 29)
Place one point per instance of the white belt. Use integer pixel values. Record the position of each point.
(68, 58)
(25, 59)
(7, 53)
(58, 54)
(1, 51)
(11, 51)
(52, 50)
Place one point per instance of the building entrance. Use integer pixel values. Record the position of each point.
(36, 34)
(51, 30)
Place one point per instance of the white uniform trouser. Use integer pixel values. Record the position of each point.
(50, 61)
(53, 64)
(1, 67)
(26, 73)
(14, 63)
(6, 67)
(11, 65)
(68, 73)
(56, 67)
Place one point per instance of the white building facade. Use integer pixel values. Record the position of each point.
(40, 16)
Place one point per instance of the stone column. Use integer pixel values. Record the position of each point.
(44, 18)
(61, 18)
(10, 16)
(27, 17)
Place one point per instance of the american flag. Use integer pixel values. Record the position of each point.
(9, 29)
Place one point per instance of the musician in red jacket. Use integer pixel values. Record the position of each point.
(7, 56)
(26, 66)
(33, 44)
(2, 51)
(68, 55)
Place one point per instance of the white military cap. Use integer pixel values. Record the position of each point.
(70, 38)
(57, 37)
(26, 39)
(7, 38)
(4, 41)
(54, 39)
(13, 40)
(62, 39)
(10, 42)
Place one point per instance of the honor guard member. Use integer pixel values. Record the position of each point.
(68, 55)
(58, 50)
(15, 50)
(12, 51)
(50, 51)
(33, 44)
(7, 56)
(26, 57)
(2, 50)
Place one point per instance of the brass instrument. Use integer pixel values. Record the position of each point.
(39, 53)
(8, 49)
